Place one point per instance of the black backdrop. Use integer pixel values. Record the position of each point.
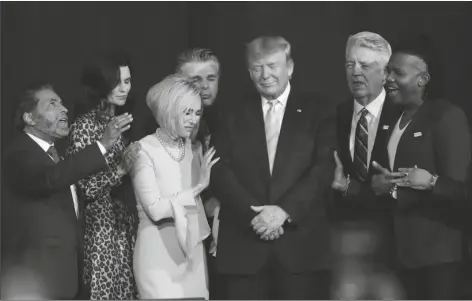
(52, 40)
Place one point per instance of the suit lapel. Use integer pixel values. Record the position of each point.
(255, 129)
(344, 123)
(291, 125)
(416, 125)
(288, 131)
(388, 117)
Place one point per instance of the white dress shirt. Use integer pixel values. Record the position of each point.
(374, 108)
(45, 146)
(279, 108)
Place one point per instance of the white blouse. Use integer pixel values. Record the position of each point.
(394, 140)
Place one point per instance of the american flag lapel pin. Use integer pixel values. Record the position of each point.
(299, 110)
(385, 127)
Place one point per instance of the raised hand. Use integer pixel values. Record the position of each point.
(128, 158)
(205, 168)
(340, 180)
(115, 128)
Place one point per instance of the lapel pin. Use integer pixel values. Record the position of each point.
(385, 127)
(299, 110)
(417, 134)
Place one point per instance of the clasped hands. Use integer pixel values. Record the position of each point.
(268, 223)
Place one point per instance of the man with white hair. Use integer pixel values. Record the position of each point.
(362, 127)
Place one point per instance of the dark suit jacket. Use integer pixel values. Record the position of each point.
(360, 203)
(427, 224)
(302, 172)
(39, 226)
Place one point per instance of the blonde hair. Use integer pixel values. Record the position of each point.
(265, 45)
(372, 41)
(164, 100)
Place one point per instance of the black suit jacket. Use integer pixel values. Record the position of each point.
(302, 172)
(427, 224)
(40, 230)
(360, 203)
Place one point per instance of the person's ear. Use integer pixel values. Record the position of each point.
(290, 67)
(423, 79)
(28, 119)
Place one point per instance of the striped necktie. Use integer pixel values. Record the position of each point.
(53, 153)
(361, 147)
(271, 131)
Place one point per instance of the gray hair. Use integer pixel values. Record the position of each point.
(196, 55)
(372, 41)
(265, 45)
(164, 99)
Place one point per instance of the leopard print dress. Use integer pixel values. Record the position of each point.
(109, 230)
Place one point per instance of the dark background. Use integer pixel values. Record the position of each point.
(53, 40)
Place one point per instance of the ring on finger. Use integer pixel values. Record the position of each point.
(116, 126)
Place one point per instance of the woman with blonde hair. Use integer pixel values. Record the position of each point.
(168, 177)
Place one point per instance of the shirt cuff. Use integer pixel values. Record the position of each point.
(102, 148)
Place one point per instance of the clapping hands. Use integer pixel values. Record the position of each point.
(268, 223)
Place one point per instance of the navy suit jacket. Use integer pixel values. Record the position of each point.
(40, 229)
(429, 224)
(300, 184)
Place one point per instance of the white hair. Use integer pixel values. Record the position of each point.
(164, 100)
(372, 41)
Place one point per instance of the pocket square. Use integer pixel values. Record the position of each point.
(385, 127)
(417, 134)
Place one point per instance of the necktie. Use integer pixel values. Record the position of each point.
(53, 153)
(361, 147)
(271, 131)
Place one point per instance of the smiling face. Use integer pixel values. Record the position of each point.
(49, 118)
(407, 77)
(204, 76)
(271, 73)
(119, 94)
(365, 74)
(190, 111)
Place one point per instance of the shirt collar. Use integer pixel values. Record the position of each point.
(282, 98)
(373, 107)
(43, 144)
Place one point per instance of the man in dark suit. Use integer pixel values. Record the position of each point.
(42, 237)
(362, 126)
(202, 68)
(275, 169)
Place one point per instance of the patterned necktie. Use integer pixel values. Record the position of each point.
(53, 153)
(271, 131)
(361, 147)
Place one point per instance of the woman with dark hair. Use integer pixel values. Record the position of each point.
(433, 135)
(110, 227)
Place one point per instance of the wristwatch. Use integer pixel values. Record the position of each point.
(434, 178)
